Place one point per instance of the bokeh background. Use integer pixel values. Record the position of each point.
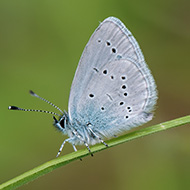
(40, 45)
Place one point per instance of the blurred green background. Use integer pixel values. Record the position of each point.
(40, 46)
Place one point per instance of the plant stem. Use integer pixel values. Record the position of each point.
(66, 159)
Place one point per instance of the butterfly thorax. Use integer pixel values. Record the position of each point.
(79, 133)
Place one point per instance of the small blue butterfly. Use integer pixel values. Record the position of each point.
(112, 91)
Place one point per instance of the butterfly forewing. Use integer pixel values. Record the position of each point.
(112, 88)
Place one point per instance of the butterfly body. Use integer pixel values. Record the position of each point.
(78, 132)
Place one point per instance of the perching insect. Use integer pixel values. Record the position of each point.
(112, 91)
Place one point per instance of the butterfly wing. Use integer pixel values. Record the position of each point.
(113, 88)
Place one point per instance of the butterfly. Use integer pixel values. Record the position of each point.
(112, 91)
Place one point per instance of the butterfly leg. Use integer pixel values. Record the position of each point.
(87, 146)
(61, 148)
(74, 147)
(97, 137)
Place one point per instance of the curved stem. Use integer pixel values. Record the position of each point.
(66, 159)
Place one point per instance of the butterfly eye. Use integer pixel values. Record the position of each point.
(62, 123)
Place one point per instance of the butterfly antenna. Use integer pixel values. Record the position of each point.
(47, 101)
(22, 109)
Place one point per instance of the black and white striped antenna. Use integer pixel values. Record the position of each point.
(43, 111)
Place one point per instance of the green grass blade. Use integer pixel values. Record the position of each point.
(66, 159)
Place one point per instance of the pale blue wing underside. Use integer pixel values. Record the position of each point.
(113, 88)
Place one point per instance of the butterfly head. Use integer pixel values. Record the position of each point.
(62, 123)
